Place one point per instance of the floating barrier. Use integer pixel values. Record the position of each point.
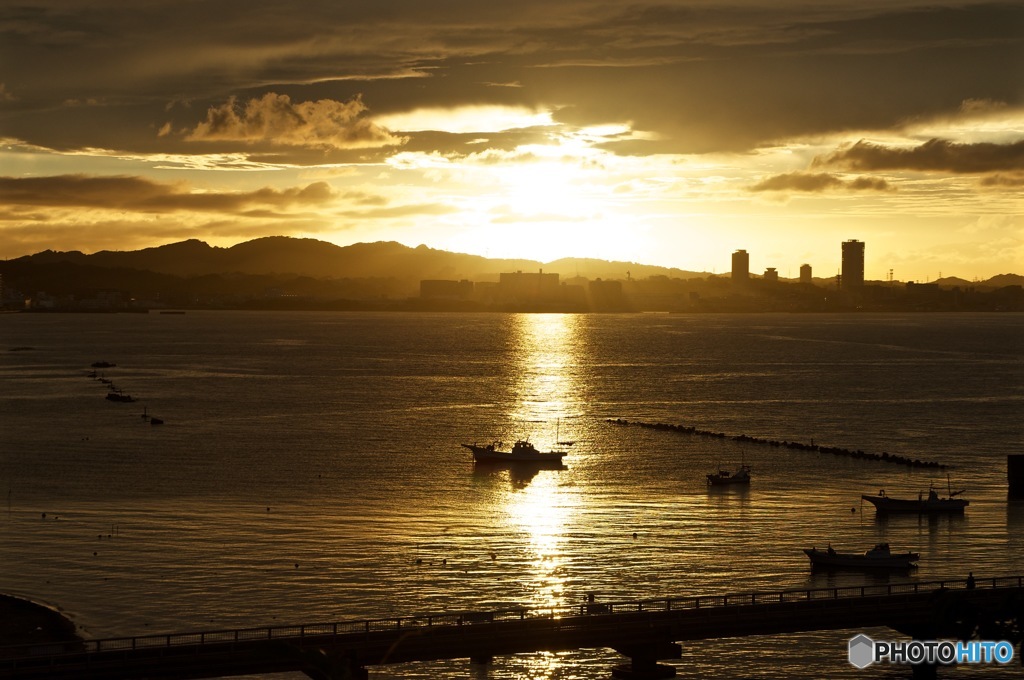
(817, 448)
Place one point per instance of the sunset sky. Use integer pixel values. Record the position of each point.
(667, 133)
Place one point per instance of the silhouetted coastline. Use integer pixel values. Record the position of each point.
(304, 275)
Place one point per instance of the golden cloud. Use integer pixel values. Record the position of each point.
(143, 195)
(276, 119)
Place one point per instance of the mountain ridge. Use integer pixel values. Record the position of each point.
(311, 257)
(308, 257)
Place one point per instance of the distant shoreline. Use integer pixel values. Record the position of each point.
(24, 622)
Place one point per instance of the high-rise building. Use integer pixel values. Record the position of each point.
(805, 274)
(740, 266)
(771, 274)
(853, 264)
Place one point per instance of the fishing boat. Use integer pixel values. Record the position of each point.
(923, 505)
(724, 477)
(879, 557)
(522, 451)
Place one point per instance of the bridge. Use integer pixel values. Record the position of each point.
(646, 631)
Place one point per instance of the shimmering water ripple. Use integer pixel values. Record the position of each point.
(309, 467)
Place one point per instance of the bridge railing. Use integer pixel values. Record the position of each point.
(10, 655)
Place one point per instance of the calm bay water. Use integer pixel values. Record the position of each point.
(309, 467)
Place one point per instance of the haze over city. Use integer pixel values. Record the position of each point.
(669, 134)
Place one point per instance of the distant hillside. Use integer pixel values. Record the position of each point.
(310, 257)
(1003, 280)
(1000, 281)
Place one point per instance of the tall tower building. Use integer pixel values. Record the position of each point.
(805, 274)
(740, 266)
(853, 264)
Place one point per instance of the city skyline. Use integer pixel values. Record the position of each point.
(668, 134)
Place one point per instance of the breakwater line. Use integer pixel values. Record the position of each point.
(884, 457)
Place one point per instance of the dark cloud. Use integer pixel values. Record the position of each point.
(818, 182)
(143, 195)
(935, 155)
(700, 76)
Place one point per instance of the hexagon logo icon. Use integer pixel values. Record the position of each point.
(862, 651)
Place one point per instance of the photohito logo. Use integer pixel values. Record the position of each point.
(863, 651)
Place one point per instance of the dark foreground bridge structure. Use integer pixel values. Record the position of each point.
(646, 631)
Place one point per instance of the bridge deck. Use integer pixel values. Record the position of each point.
(623, 626)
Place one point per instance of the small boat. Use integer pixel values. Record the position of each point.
(558, 440)
(724, 477)
(932, 504)
(522, 451)
(118, 395)
(879, 557)
(102, 364)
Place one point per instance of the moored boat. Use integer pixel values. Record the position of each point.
(724, 477)
(932, 504)
(522, 451)
(879, 557)
(118, 395)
